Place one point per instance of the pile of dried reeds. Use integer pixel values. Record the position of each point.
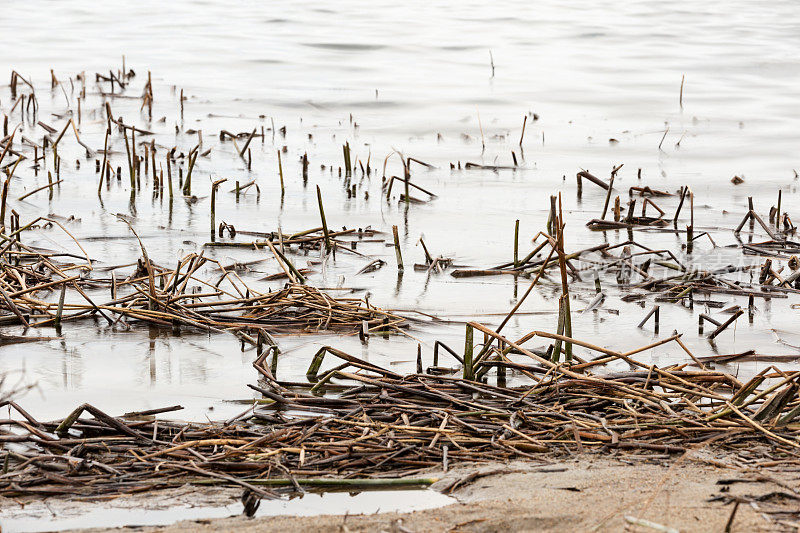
(378, 426)
(174, 298)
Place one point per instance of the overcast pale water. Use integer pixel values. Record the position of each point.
(437, 81)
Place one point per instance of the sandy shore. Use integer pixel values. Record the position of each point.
(583, 493)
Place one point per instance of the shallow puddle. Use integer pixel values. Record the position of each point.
(37, 517)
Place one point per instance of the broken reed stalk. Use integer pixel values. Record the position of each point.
(529, 289)
(562, 262)
(135, 161)
(169, 173)
(280, 173)
(63, 131)
(60, 310)
(295, 272)
(3, 199)
(516, 244)
(555, 355)
(594, 179)
(105, 160)
(284, 265)
(428, 257)
(666, 131)
(347, 163)
(214, 187)
(398, 254)
(50, 185)
(552, 230)
(722, 327)
(328, 244)
(608, 196)
(406, 178)
(187, 184)
(468, 350)
(690, 227)
(157, 183)
(684, 190)
(131, 167)
(247, 143)
(654, 311)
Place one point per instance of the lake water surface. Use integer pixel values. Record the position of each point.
(444, 82)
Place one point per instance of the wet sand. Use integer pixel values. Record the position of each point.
(585, 493)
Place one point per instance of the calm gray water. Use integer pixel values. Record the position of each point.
(417, 77)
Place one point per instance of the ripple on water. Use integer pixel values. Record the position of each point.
(346, 47)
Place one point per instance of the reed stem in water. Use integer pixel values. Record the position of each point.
(397, 252)
(328, 245)
(280, 173)
(468, 353)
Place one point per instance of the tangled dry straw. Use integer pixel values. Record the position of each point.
(173, 298)
(377, 428)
